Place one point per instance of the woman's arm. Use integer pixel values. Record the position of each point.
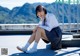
(40, 23)
(51, 23)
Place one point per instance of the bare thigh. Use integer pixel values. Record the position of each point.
(43, 34)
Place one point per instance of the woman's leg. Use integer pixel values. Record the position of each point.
(43, 34)
(24, 48)
(39, 34)
(32, 38)
(36, 38)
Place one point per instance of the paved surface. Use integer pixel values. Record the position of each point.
(10, 42)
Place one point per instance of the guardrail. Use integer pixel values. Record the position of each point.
(64, 27)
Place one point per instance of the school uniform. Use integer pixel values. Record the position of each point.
(52, 30)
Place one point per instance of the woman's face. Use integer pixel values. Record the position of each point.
(41, 14)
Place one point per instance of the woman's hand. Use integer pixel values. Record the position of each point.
(34, 30)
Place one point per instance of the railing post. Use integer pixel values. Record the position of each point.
(77, 16)
(63, 14)
(69, 15)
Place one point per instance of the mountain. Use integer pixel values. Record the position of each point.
(4, 9)
(13, 12)
(26, 13)
(4, 12)
(36, 4)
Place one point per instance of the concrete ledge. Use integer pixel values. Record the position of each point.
(71, 43)
(16, 32)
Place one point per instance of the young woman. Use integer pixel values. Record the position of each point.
(48, 30)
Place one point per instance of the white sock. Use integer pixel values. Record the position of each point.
(35, 45)
(27, 45)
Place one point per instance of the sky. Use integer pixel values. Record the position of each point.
(13, 3)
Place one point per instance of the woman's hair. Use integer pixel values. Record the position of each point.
(40, 8)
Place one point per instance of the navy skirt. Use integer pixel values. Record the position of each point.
(54, 36)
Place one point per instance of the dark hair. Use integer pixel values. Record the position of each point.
(39, 8)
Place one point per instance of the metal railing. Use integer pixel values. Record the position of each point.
(69, 14)
(4, 27)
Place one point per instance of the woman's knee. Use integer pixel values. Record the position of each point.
(39, 29)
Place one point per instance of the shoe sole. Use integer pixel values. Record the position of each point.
(21, 50)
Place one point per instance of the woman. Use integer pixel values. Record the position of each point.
(48, 30)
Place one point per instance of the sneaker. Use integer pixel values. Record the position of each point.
(21, 49)
(32, 50)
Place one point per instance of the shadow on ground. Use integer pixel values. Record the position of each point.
(40, 52)
(46, 52)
